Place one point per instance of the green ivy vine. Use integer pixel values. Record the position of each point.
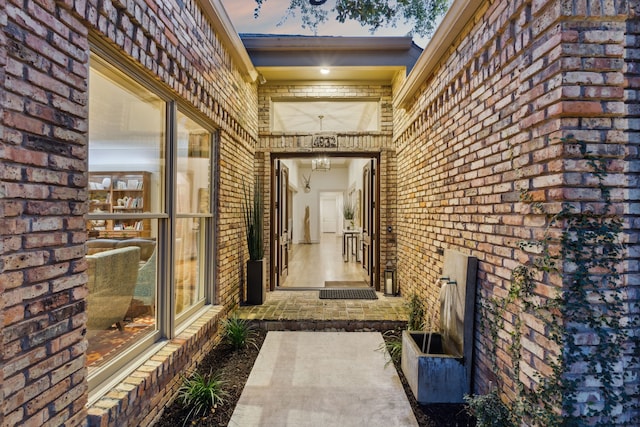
(588, 321)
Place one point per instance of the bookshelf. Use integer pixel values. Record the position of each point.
(119, 192)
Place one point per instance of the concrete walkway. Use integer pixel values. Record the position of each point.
(323, 379)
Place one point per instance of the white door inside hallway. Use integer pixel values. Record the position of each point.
(328, 213)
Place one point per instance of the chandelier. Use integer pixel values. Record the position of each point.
(321, 164)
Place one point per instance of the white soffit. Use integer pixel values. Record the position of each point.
(344, 74)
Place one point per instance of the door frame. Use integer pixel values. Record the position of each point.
(375, 274)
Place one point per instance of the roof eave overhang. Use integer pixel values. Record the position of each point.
(324, 43)
(216, 14)
(457, 17)
(298, 52)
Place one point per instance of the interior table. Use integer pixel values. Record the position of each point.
(350, 241)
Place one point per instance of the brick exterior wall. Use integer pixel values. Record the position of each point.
(520, 76)
(3, 62)
(45, 46)
(379, 143)
(43, 181)
(632, 107)
(631, 127)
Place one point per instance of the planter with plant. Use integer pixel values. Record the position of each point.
(253, 210)
(436, 360)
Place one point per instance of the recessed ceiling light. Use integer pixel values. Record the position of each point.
(324, 70)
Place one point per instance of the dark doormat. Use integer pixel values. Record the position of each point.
(346, 284)
(348, 294)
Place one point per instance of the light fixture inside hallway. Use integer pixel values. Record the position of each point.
(321, 164)
(324, 71)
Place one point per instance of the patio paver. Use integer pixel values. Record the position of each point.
(300, 310)
(323, 379)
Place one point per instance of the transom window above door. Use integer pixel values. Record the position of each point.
(325, 116)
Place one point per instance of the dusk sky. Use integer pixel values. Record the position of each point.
(272, 12)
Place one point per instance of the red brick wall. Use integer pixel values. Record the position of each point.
(43, 173)
(522, 75)
(631, 124)
(3, 61)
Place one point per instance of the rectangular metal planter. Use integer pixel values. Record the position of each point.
(434, 377)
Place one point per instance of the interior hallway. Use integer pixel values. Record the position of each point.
(310, 265)
(297, 305)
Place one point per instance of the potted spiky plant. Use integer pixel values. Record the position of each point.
(253, 209)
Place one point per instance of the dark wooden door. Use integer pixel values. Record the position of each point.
(282, 222)
(368, 220)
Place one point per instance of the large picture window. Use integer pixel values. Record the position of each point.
(149, 219)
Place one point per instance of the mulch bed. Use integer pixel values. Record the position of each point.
(235, 366)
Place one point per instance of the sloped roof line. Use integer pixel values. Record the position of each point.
(219, 19)
(296, 42)
(457, 17)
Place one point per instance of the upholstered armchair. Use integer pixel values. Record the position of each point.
(145, 290)
(112, 278)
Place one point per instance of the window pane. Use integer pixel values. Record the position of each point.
(192, 200)
(126, 172)
(189, 262)
(194, 167)
(121, 304)
(126, 132)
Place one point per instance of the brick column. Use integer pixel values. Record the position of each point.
(3, 62)
(632, 222)
(43, 189)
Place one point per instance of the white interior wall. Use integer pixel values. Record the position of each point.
(335, 180)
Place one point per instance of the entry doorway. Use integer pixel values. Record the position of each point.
(314, 221)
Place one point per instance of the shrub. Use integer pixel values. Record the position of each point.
(393, 345)
(416, 313)
(488, 410)
(238, 332)
(201, 394)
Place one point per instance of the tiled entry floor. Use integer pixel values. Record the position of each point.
(323, 379)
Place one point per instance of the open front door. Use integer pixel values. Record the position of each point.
(369, 204)
(281, 222)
